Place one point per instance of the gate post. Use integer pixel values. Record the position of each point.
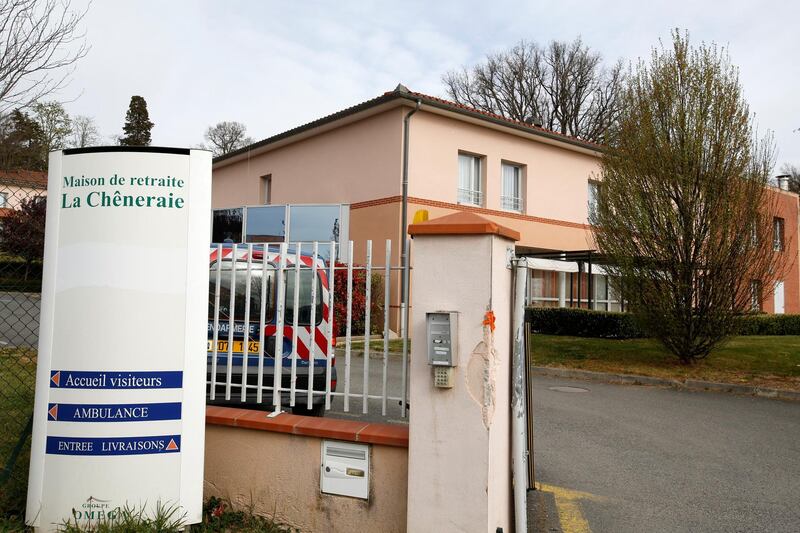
(459, 464)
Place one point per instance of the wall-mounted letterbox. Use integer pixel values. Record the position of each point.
(345, 469)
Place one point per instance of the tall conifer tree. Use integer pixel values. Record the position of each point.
(137, 124)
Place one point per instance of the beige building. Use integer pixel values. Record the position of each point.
(19, 185)
(535, 181)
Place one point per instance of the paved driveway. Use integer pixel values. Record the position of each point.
(626, 458)
(394, 387)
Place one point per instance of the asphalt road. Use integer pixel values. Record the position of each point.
(19, 319)
(632, 459)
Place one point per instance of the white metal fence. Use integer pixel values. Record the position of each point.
(274, 314)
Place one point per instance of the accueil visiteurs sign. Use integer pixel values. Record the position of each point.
(120, 385)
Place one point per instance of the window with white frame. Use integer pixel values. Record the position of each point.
(511, 199)
(754, 235)
(600, 296)
(543, 288)
(605, 297)
(755, 295)
(614, 300)
(594, 189)
(777, 234)
(470, 183)
(266, 189)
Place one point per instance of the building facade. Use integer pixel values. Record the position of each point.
(537, 182)
(17, 186)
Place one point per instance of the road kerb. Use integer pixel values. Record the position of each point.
(688, 384)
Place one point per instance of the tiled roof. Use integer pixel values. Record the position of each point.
(33, 179)
(425, 99)
(462, 223)
(510, 122)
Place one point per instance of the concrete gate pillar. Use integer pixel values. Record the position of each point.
(459, 464)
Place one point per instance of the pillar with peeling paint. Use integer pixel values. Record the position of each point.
(459, 465)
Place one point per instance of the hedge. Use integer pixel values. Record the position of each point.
(12, 275)
(610, 325)
(769, 325)
(583, 323)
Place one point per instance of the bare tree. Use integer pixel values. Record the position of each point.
(563, 87)
(84, 132)
(793, 171)
(39, 42)
(225, 137)
(684, 213)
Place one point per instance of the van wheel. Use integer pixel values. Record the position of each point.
(316, 410)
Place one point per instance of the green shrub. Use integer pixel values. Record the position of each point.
(166, 519)
(769, 325)
(583, 323)
(358, 308)
(218, 517)
(16, 276)
(608, 325)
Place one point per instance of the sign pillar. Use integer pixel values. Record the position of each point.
(120, 383)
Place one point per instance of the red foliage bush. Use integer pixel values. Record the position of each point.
(359, 297)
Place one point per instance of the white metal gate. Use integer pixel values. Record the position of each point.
(274, 316)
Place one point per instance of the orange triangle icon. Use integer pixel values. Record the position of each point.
(56, 378)
(53, 412)
(172, 446)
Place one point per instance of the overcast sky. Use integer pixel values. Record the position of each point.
(276, 65)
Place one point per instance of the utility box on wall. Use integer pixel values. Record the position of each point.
(442, 330)
(345, 469)
(442, 337)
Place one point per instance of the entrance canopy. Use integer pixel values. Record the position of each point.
(567, 261)
(580, 281)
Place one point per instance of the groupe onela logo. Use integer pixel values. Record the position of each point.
(95, 509)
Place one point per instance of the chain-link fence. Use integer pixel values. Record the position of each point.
(22, 217)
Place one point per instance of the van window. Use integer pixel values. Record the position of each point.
(256, 278)
(304, 296)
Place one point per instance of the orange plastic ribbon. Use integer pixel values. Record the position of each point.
(488, 320)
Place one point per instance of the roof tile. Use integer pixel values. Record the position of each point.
(504, 119)
(426, 99)
(462, 223)
(34, 179)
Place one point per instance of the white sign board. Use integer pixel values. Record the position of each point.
(119, 415)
